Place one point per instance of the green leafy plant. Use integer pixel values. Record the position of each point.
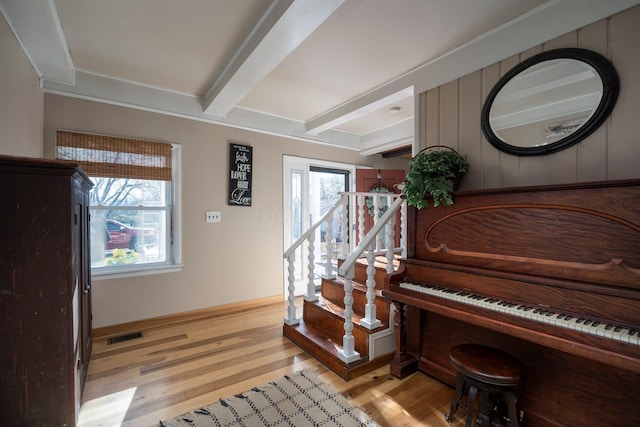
(434, 172)
(121, 256)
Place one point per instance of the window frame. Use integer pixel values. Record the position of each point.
(173, 263)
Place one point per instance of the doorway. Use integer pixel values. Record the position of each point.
(373, 180)
(311, 187)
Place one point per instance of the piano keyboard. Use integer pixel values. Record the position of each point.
(539, 314)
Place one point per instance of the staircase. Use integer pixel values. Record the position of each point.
(351, 336)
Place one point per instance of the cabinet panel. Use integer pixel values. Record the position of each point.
(45, 318)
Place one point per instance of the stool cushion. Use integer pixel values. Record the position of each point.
(486, 364)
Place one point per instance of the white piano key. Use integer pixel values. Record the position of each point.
(539, 314)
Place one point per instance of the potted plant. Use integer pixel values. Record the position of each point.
(436, 171)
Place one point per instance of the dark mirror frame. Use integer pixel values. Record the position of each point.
(610, 90)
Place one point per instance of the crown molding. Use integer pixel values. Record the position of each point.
(99, 88)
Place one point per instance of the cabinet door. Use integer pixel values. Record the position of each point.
(86, 288)
(82, 275)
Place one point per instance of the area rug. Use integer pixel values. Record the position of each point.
(299, 399)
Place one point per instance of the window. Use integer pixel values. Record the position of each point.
(133, 201)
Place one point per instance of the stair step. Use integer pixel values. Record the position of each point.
(380, 264)
(320, 331)
(333, 290)
(325, 348)
(330, 318)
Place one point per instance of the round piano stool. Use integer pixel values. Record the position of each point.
(491, 375)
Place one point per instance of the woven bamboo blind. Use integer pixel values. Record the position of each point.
(113, 157)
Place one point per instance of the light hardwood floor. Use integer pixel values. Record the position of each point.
(180, 367)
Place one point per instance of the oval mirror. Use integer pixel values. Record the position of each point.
(549, 102)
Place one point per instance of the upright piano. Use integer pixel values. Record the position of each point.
(548, 274)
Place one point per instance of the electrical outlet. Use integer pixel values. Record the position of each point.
(212, 216)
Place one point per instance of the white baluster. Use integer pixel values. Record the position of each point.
(311, 286)
(345, 227)
(403, 228)
(291, 318)
(348, 353)
(376, 217)
(370, 321)
(360, 204)
(329, 241)
(391, 239)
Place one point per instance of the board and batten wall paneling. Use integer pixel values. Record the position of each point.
(470, 109)
(592, 152)
(450, 115)
(623, 149)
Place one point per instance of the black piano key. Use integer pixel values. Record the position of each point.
(541, 311)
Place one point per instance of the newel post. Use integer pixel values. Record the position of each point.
(348, 353)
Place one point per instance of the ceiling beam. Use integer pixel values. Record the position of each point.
(99, 88)
(358, 108)
(37, 28)
(283, 27)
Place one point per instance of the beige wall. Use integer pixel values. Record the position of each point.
(21, 100)
(241, 258)
(450, 115)
(235, 260)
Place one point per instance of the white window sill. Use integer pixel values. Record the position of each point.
(119, 273)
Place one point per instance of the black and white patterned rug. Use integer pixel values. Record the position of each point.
(296, 400)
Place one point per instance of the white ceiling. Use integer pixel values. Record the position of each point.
(326, 71)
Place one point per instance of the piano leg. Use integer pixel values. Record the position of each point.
(403, 363)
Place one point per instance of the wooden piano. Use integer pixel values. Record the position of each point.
(549, 274)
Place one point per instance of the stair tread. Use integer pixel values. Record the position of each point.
(356, 284)
(319, 337)
(337, 310)
(326, 350)
(380, 261)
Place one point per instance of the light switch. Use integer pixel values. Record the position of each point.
(212, 216)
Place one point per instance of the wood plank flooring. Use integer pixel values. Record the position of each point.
(180, 367)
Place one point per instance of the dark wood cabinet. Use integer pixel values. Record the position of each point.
(45, 291)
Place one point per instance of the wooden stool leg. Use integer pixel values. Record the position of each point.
(471, 405)
(455, 400)
(511, 399)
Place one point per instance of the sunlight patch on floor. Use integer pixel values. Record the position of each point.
(93, 414)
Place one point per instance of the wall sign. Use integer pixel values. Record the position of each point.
(240, 168)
